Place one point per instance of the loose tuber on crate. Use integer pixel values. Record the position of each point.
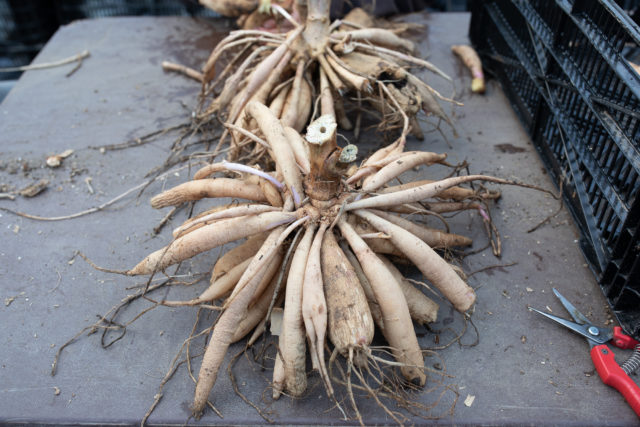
(471, 60)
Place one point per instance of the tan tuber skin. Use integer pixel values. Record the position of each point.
(337, 283)
(293, 377)
(374, 307)
(208, 188)
(209, 237)
(226, 327)
(398, 328)
(473, 63)
(315, 59)
(330, 292)
(230, 8)
(314, 307)
(238, 254)
(218, 288)
(423, 309)
(350, 320)
(435, 269)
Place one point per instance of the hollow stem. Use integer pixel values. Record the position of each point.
(322, 183)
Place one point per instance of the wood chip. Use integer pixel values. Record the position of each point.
(8, 301)
(276, 321)
(469, 400)
(87, 180)
(56, 160)
(34, 189)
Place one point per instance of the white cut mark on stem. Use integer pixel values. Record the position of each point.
(248, 169)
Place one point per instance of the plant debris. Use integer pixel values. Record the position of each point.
(34, 189)
(468, 401)
(56, 160)
(9, 300)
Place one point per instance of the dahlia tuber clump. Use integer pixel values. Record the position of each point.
(335, 281)
(344, 66)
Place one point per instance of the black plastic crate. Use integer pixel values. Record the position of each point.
(69, 10)
(25, 26)
(564, 64)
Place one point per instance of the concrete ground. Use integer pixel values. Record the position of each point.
(522, 369)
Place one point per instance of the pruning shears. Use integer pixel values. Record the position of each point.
(612, 374)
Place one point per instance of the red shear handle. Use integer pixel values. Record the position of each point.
(621, 340)
(612, 375)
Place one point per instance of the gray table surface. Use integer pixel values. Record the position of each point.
(524, 370)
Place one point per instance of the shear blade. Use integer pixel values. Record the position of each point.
(575, 327)
(573, 311)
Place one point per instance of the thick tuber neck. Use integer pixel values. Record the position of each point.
(316, 30)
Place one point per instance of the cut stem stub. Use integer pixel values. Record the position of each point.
(322, 183)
